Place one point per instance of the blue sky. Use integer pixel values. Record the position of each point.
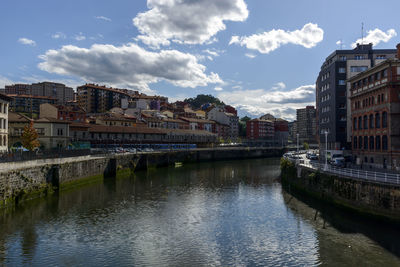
(257, 55)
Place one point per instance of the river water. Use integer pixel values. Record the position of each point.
(232, 213)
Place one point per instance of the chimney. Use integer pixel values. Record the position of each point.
(398, 50)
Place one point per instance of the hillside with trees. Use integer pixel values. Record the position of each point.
(201, 99)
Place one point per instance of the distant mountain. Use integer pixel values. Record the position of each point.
(201, 99)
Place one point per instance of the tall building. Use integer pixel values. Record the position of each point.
(306, 124)
(332, 91)
(260, 129)
(375, 113)
(61, 93)
(99, 99)
(29, 104)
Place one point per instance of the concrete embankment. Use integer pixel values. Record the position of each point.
(21, 181)
(377, 200)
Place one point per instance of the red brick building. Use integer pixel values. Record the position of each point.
(375, 113)
(260, 129)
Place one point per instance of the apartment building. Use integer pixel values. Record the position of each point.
(100, 99)
(333, 114)
(29, 104)
(306, 124)
(58, 91)
(375, 115)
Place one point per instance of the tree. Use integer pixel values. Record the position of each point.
(306, 146)
(243, 126)
(29, 137)
(201, 99)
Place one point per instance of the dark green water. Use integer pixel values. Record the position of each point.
(211, 214)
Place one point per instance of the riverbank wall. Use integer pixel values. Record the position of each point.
(377, 200)
(27, 180)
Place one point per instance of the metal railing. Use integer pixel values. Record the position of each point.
(374, 176)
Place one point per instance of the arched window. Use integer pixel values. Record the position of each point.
(371, 121)
(355, 123)
(384, 119)
(365, 122)
(371, 143)
(378, 143)
(365, 142)
(384, 142)
(377, 120)
(360, 142)
(359, 123)
(355, 142)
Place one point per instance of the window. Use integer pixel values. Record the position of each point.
(384, 142)
(371, 143)
(371, 121)
(365, 142)
(365, 122)
(384, 119)
(342, 58)
(384, 73)
(359, 123)
(355, 142)
(378, 143)
(381, 57)
(355, 123)
(342, 70)
(59, 132)
(377, 121)
(360, 142)
(359, 57)
(342, 82)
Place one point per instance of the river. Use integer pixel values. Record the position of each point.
(230, 213)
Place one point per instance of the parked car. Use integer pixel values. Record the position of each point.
(313, 157)
(338, 162)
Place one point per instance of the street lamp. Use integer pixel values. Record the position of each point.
(297, 143)
(326, 150)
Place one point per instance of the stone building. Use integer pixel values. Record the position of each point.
(4, 102)
(375, 114)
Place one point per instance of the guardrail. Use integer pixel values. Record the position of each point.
(374, 176)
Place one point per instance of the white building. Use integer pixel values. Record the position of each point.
(4, 102)
(219, 115)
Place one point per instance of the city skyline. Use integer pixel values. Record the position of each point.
(260, 57)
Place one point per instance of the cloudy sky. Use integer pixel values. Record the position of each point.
(261, 56)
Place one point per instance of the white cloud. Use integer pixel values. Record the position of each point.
(376, 36)
(128, 65)
(26, 41)
(80, 37)
(309, 36)
(5, 81)
(59, 35)
(103, 18)
(260, 101)
(279, 86)
(187, 21)
(218, 88)
(250, 55)
(153, 41)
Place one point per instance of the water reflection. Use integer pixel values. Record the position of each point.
(225, 213)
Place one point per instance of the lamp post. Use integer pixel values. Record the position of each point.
(326, 150)
(297, 143)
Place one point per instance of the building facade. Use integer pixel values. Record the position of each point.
(332, 92)
(99, 99)
(375, 115)
(4, 102)
(306, 124)
(29, 104)
(260, 129)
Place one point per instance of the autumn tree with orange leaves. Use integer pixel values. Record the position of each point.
(29, 137)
